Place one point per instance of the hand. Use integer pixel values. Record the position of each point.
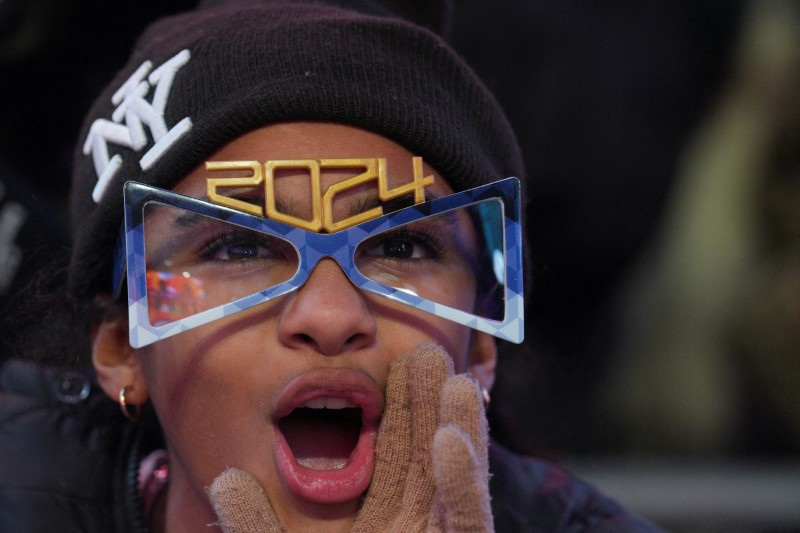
(431, 459)
(431, 471)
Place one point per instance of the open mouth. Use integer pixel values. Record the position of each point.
(325, 422)
(323, 433)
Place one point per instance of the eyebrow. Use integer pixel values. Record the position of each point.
(190, 219)
(389, 206)
(446, 219)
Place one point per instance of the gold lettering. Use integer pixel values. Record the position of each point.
(321, 205)
(369, 166)
(254, 180)
(417, 185)
(315, 224)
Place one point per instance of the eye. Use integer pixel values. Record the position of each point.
(241, 252)
(397, 248)
(402, 244)
(244, 247)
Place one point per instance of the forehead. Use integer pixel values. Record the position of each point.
(312, 140)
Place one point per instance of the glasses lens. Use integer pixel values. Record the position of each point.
(195, 263)
(455, 258)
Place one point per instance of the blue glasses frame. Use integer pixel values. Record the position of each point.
(341, 246)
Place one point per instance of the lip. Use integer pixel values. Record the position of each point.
(350, 481)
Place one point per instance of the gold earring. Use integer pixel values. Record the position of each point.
(134, 415)
(486, 398)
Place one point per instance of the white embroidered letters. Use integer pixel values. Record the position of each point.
(132, 114)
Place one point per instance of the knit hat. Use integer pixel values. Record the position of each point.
(198, 80)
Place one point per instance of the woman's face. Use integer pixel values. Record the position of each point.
(246, 391)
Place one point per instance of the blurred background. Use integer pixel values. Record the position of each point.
(662, 145)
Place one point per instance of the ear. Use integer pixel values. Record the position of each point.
(116, 363)
(483, 359)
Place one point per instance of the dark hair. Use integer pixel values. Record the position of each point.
(43, 322)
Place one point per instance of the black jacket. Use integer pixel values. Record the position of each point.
(69, 462)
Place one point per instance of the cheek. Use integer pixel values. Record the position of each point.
(213, 405)
(454, 286)
(461, 291)
(400, 336)
(461, 338)
(200, 389)
(197, 365)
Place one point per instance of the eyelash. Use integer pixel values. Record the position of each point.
(424, 237)
(219, 240)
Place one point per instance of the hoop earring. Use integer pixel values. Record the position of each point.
(486, 398)
(133, 415)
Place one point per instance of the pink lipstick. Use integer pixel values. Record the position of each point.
(326, 421)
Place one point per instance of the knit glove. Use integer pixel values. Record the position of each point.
(431, 459)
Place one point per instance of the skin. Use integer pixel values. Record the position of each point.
(215, 387)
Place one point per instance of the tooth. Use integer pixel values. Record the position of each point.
(338, 403)
(316, 403)
(328, 402)
(322, 463)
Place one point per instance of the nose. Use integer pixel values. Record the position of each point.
(327, 314)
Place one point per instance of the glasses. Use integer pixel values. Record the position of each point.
(189, 262)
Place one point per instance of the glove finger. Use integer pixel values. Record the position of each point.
(462, 406)
(430, 366)
(460, 487)
(392, 454)
(401, 493)
(241, 505)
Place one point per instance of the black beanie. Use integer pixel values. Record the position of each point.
(198, 80)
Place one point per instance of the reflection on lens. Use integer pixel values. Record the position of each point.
(453, 258)
(171, 297)
(195, 263)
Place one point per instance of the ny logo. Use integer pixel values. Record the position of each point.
(133, 112)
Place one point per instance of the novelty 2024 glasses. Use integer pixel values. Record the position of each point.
(189, 262)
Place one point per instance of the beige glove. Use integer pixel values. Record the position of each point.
(241, 505)
(431, 459)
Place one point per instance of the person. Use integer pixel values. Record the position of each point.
(296, 240)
